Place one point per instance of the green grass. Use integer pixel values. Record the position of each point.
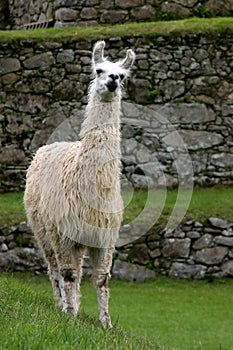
(193, 25)
(168, 314)
(30, 321)
(205, 202)
(11, 209)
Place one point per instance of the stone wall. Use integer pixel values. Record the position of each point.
(179, 83)
(95, 12)
(193, 250)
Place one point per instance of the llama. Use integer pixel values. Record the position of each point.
(72, 196)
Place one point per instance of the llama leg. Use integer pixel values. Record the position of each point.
(53, 274)
(78, 254)
(70, 266)
(101, 259)
(49, 256)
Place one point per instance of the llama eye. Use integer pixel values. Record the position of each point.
(122, 76)
(99, 71)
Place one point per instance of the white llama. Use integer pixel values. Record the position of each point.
(72, 196)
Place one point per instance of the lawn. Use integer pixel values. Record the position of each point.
(161, 314)
(182, 27)
(205, 202)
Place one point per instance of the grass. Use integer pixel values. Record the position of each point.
(186, 26)
(205, 202)
(160, 314)
(30, 321)
(11, 209)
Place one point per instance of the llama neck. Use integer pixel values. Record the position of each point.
(102, 116)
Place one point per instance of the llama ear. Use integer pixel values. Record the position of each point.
(98, 52)
(129, 60)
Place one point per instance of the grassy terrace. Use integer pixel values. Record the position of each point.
(161, 314)
(205, 202)
(187, 26)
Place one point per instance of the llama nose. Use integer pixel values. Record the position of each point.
(114, 76)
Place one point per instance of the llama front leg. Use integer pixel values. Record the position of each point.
(70, 272)
(101, 260)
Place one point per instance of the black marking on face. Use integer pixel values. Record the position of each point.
(99, 71)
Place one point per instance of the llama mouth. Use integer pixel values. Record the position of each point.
(112, 86)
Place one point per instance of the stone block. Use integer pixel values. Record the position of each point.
(128, 3)
(141, 181)
(181, 270)
(219, 223)
(6, 231)
(225, 241)
(8, 65)
(228, 232)
(23, 227)
(222, 160)
(150, 168)
(22, 259)
(185, 113)
(176, 247)
(211, 256)
(130, 272)
(10, 78)
(41, 60)
(78, 3)
(88, 13)
(139, 90)
(3, 247)
(66, 14)
(12, 155)
(143, 13)
(203, 242)
(139, 254)
(143, 155)
(193, 139)
(129, 146)
(193, 234)
(227, 268)
(113, 16)
(154, 253)
(65, 56)
(173, 88)
(219, 6)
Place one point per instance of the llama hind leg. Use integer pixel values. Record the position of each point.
(101, 260)
(53, 274)
(49, 256)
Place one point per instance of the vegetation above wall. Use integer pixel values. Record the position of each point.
(201, 206)
(187, 26)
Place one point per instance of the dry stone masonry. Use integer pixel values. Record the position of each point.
(180, 83)
(17, 13)
(193, 250)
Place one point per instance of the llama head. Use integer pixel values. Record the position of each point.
(109, 76)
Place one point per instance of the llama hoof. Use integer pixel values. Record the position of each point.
(106, 325)
(106, 321)
(70, 310)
